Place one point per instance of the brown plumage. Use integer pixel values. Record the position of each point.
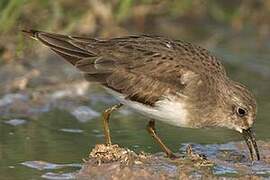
(157, 72)
(134, 64)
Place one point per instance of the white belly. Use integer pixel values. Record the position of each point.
(169, 110)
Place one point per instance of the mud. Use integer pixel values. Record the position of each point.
(214, 161)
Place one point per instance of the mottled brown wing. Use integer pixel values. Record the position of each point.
(147, 67)
(147, 83)
(141, 67)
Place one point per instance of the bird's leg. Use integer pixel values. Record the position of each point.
(106, 118)
(152, 131)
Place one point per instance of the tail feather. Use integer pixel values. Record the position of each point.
(71, 59)
(79, 51)
(59, 42)
(68, 47)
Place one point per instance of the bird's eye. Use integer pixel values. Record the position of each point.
(241, 112)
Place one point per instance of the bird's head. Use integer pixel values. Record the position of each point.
(240, 112)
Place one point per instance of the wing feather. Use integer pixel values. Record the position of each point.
(141, 67)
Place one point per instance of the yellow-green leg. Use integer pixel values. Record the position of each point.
(106, 118)
(152, 131)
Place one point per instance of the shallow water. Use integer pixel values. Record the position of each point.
(48, 136)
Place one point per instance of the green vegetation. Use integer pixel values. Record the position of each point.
(10, 11)
(62, 13)
(107, 18)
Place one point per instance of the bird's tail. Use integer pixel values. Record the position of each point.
(72, 49)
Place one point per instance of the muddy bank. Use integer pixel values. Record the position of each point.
(203, 161)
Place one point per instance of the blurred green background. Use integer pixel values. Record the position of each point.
(118, 17)
(44, 91)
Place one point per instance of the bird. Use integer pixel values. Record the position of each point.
(173, 81)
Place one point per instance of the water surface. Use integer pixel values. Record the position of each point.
(49, 136)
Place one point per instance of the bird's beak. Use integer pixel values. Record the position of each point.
(251, 143)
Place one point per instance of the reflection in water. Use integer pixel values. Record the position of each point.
(42, 165)
(59, 176)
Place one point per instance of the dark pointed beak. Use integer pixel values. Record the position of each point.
(249, 137)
